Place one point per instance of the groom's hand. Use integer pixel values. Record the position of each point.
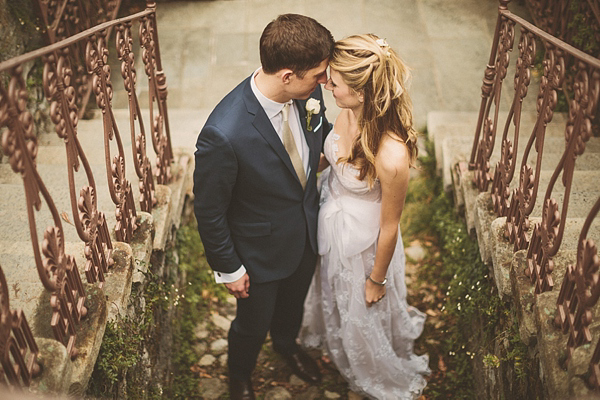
(239, 289)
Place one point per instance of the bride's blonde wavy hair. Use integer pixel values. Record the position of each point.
(369, 66)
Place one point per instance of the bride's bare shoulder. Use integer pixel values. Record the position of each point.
(393, 156)
(342, 121)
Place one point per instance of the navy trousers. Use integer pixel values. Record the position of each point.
(276, 307)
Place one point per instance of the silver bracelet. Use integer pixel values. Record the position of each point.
(377, 283)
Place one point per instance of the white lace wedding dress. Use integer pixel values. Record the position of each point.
(371, 347)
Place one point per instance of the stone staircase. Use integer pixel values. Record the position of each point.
(453, 135)
(60, 374)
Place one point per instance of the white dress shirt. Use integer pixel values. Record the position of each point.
(273, 111)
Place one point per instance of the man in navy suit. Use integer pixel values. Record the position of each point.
(256, 199)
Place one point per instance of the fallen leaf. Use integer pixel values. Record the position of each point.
(432, 313)
(325, 360)
(65, 217)
(442, 365)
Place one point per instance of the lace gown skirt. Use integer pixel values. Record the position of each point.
(371, 347)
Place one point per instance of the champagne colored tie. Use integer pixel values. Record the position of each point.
(290, 146)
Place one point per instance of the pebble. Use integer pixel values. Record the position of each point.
(312, 393)
(223, 360)
(201, 332)
(415, 252)
(295, 381)
(200, 348)
(221, 322)
(232, 300)
(354, 396)
(331, 395)
(278, 393)
(218, 346)
(211, 388)
(206, 360)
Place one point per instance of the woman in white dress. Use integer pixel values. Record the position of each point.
(356, 309)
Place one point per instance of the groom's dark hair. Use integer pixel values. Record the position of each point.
(296, 42)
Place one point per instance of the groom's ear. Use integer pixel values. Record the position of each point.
(286, 75)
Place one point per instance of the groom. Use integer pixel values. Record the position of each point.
(256, 199)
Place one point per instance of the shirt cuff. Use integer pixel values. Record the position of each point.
(221, 277)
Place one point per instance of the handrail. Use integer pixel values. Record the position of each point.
(13, 62)
(575, 52)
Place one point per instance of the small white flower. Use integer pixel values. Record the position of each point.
(313, 106)
(381, 43)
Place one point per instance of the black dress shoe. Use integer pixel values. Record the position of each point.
(240, 390)
(304, 366)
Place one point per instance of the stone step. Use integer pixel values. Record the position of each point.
(453, 125)
(501, 251)
(55, 177)
(580, 203)
(185, 124)
(24, 285)
(26, 289)
(14, 210)
(457, 149)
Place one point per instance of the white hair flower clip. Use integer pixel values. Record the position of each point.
(383, 44)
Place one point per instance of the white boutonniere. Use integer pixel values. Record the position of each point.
(313, 106)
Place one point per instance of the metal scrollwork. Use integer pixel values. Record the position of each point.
(56, 270)
(89, 222)
(158, 94)
(505, 168)
(578, 294)
(142, 165)
(524, 197)
(482, 176)
(119, 187)
(18, 349)
(548, 235)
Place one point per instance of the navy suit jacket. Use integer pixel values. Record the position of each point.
(249, 204)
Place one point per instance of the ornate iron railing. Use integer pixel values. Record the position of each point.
(18, 349)
(56, 269)
(580, 288)
(64, 18)
(518, 204)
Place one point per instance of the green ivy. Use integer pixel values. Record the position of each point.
(194, 308)
(581, 27)
(123, 344)
(474, 318)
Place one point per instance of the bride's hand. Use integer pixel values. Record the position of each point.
(373, 293)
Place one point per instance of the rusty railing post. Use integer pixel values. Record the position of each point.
(18, 349)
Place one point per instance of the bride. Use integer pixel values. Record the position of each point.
(356, 308)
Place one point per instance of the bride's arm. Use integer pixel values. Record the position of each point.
(392, 166)
(323, 163)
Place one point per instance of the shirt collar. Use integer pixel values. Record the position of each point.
(272, 108)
